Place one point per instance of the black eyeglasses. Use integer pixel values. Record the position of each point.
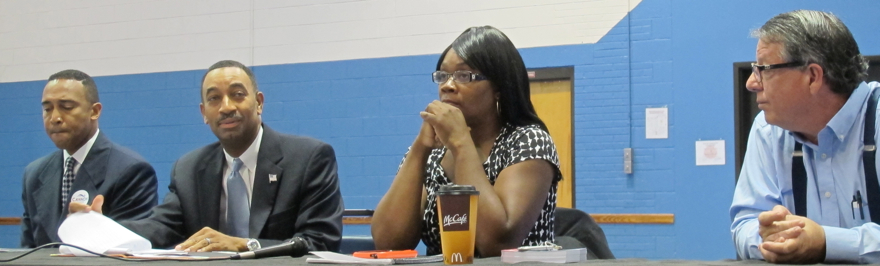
(756, 68)
(461, 76)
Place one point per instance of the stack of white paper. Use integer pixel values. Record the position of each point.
(548, 256)
(99, 234)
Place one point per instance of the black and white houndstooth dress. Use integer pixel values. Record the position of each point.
(513, 145)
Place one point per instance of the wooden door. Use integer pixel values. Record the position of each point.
(552, 101)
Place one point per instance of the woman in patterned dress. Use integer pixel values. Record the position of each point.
(484, 132)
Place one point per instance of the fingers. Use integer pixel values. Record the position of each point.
(75, 207)
(226, 243)
(802, 243)
(209, 239)
(98, 204)
(436, 105)
(781, 236)
(782, 209)
(442, 116)
(781, 248)
(769, 256)
(439, 108)
(185, 245)
(768, 217)
(447, 121)
(200, 245)
(773, 257)
(777, 227)
(212, 247)
(775, 221)
(428, 117)
(193, 240)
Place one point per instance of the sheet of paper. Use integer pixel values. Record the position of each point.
(336, 258)
(656, 123)
(4, 250)
(710, 152)
(96, 232)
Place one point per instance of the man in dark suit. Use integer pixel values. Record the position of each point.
(254, 188)
(87, 165)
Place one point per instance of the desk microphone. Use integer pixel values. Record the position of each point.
(295, 247)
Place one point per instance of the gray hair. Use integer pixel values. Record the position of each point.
(818, 37)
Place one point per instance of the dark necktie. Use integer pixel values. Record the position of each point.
(67, 182)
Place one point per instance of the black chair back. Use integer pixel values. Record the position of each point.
(575, 227)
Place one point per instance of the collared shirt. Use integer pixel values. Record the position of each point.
(79, 155)
(835, 174)
(247, 171)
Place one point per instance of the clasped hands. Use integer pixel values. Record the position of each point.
(788, 238)
(443, 125)
(204, 240)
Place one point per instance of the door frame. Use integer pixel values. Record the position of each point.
(552, 74)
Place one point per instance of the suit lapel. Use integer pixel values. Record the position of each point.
(264, 190)
(48, 195)
(209, 187)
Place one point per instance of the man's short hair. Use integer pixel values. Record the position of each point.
(818, 37)
(230, 63)
(91, 89)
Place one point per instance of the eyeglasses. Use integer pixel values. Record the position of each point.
(756, 68)
(461, 76)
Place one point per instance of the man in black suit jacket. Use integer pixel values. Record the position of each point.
(294, 189)
(98, 166)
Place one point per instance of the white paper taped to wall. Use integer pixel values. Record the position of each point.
(710, 152)
(657, 123)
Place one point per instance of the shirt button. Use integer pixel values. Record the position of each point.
(827, 194)
(824, 156)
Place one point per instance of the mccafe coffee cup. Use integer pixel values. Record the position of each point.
(457, 205)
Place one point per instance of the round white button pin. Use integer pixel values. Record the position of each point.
(80, 196)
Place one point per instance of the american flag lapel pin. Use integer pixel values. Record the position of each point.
(273, 178)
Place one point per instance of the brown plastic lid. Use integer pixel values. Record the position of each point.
(458, 190)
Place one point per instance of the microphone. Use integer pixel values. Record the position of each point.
(295, 247)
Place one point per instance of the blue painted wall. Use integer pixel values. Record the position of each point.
(677, 54)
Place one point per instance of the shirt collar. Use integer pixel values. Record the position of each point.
(249, 157)
(80, 155)
(845, 119)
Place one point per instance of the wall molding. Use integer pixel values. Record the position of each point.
(10, 220)
(634, 218)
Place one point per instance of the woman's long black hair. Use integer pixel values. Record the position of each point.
(488, 50)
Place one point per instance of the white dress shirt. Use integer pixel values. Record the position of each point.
(79, 155)
(835, 174)
(247, 171)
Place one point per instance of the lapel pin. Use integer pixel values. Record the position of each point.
(80, 196)
(272, 178)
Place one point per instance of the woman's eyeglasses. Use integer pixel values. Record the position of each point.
(461, 76)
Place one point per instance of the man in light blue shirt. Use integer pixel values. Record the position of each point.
(809, 83)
